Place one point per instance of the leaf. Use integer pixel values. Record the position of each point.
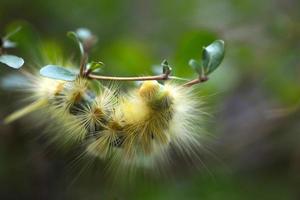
(86, 37)
(75, 37)
(196, 66)
(12, 61)
(58, 72)
(95, 66)
(212, 56)
(8, 44)
(166, 67)
(84, 34)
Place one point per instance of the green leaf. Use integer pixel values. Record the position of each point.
(95, 66)
(212, 56)
(166, 67)
(12, 61)
(75, 37)
(58, 72)
(196, 66)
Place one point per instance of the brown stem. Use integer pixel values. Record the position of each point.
(195, 81)
(143, 78)
(164, 76)
(83, 62)
(87, 72)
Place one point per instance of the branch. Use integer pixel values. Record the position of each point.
(195, 81)
(164, 76)
(146, 78)
(142, 78)
(83, 62)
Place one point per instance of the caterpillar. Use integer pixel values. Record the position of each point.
(140, 125)
(137, 128)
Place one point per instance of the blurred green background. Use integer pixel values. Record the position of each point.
(253, 98)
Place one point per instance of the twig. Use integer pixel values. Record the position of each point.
(142, 78)
(146, 78)
(83, 62)
(195, 81)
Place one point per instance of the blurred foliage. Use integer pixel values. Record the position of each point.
(254, 97)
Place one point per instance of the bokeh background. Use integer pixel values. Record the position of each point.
(253, 98)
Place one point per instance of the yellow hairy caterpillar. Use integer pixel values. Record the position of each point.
(136, 128)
